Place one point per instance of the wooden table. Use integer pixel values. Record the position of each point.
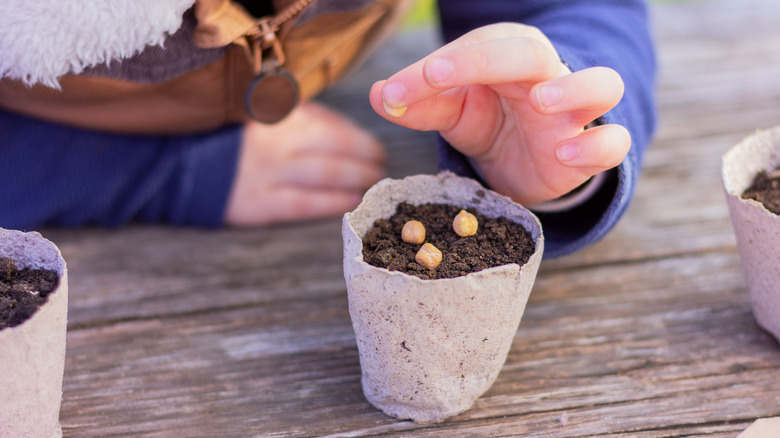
(649, 333)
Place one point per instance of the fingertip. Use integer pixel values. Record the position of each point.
(567, 153)
(601, 147)
(612, 82)
(394, 94)
(611, 75)
(394, 112)
(375, 93)
(438, 71)
(586, 94)
(548, 95)
(376, 88)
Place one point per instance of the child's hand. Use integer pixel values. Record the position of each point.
(501, 95)
(315, 163)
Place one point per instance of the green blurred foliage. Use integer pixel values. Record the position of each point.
(423, 12)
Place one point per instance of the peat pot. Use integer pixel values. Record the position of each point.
(757, 229)
(32, 354)
(429, 348)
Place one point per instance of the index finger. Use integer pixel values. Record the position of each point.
(497, 61)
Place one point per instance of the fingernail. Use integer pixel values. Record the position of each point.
(548, 95)
(438, 70)
(567, 152)
(394, 94)
(395, 112)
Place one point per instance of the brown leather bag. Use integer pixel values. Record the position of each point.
(318, 53)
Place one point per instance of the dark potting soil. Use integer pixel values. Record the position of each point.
(498, 242)
(765, 189)
(23, 291)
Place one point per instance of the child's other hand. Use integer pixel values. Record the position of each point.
(501, 95)
(314, 164)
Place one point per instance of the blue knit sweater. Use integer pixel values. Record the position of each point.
(62, 176)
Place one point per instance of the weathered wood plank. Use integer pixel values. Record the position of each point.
(149, 272)
(693, 355)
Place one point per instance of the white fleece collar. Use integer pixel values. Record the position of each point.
(41, 40)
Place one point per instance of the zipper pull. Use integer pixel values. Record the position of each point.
(274, 92)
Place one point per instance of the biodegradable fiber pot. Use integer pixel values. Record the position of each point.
(429, 348)
(762, 428)
(32, 355)
(757, 229)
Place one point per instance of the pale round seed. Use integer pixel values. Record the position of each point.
(413, 232)
(465, 224)
(428, 256)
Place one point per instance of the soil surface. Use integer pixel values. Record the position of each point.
(23, 291)
(765, 189)
(497, 242)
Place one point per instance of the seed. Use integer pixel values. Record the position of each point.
(428, 256)
(465, 224)
(413, 232)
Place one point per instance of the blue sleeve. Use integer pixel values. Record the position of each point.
(586, 33)
(52, 174)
